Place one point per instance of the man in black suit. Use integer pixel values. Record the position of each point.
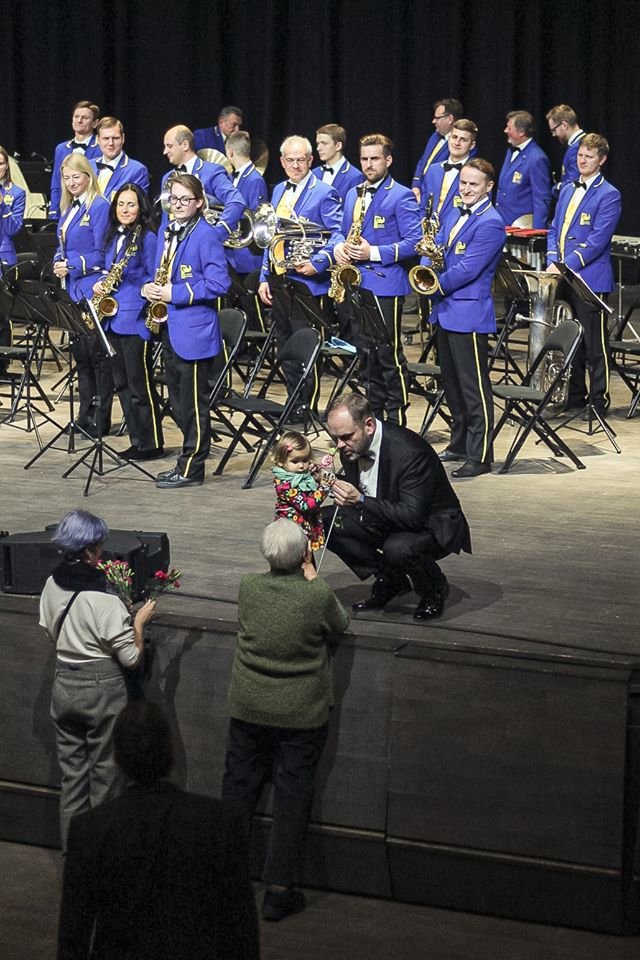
(158, 873)
(397, 512)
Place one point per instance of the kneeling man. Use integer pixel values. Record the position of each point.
(398, 514)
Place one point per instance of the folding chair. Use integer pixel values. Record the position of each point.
(525, 404)
(263, 418)
(233, 324)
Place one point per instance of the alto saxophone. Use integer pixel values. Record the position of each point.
(424, 280)
(157, 311)
(347, 274)
(104, 304)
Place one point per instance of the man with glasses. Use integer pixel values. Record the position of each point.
(523, 197)
(179, 151)
(564, 126)
(296, 293)
(445, 114)
(114, 168)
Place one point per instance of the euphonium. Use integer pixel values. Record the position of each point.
(348, 274)
(103, 303)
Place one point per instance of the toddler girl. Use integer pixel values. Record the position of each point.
(300, 485)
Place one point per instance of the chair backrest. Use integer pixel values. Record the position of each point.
(564, 339)
(302, 347)
(233, 323)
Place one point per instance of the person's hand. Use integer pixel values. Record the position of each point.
(416, 192)
(340, 256)
(346, 495)
(98, 288)
(308, 569)
(307, 269)
(264, 292)
(152, 291)
(146, 613)
(358, 250)
(60, 268)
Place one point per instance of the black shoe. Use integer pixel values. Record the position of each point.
(278, 904)
(449, 456)
(596, 410)
(166, 474)
(471, 468)
(384, 589)
(175, 480)
(432, 603)
(135, 453)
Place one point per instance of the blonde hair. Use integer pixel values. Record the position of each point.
(79, 164)
(289, 441)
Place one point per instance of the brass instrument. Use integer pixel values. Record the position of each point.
(157, 311)
(103, 303)
(546, 314)
(348, 274)
(300, 238)
(241, 237)
(259, 156)
(424, 280)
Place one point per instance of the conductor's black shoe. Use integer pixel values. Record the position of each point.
(449, 456)
(384, 589)
(432, 603)
(471, 468)
(175, 481)
(278, 904)
(135, 453)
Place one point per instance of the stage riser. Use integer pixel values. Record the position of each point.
(491, 780)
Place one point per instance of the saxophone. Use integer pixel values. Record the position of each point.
(157, 311)
(348, 274)
(424, 280)
(103, 303)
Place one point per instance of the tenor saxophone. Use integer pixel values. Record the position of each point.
(347, 274)
(104, 304)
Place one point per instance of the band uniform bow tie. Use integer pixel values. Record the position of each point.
(371, 191)
(101, 165)
(326, 169)
(514, 149)
(181, 168)
(465, 211)
(452, 166)
(75, 144)
(289, 186)
(579, 184)
(76, 203)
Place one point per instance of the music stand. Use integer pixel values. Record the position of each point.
(506, 281)
(82, 321)
(369, 316)
(582, 291)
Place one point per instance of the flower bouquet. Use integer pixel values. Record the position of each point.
(162, 582)
(120, 576)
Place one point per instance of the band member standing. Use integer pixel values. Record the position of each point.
(389, 233)
(12, 203)
(441, 179)
(130, 252)
(215, 138)
(523, 197)
(84, 122)
(114, 168)
(84, 215)
(335, 169)
(585, 220)
(473, 237)
(297, 295)
(191, 273)
(179, 151)
(445, 113)
(245, 263)
(563, 124)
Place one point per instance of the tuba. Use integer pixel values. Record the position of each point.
(347, 274)
(546, 314)
(424, 280)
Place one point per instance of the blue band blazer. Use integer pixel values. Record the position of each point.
(127, 171)
(83, 247)
(63, 150)
(217, 185)
(12, 203)
(525, 187)
(253, 190)
(129, 320)
(346, 177)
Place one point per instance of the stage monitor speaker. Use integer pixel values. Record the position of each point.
(27, 559)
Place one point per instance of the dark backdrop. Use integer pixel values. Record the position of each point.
(295, 65)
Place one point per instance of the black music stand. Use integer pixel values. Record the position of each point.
(369, 316)
(506, 281)
(81, 320)
(582, 291)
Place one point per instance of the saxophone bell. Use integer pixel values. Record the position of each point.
(107, 306)
(342, 277)
(424, 280)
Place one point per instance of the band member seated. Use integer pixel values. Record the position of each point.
(84, 122)
(335, 169)
(523, 197)
(114, 168)
(179, 151)
(397, 512)
(297, 292)
(585, 220)
(84, 215)
(12, 203)
(191, 273)
(445, 113)
(130, 261)
(215, 138)
(384, 215)
(472, 238)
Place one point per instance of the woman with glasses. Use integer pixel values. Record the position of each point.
(191, 273)
(130, 243)
(12, 201)
(84, 215)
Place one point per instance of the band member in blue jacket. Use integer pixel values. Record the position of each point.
(580, 235)
(334, 167)
(305, 198)
(441, 179)
(83, 121)
(390, 230)
(215, 138)
(130, 254)
(12, 203)
(191, 273)
(245, 263)
(84, 215)
(114, 168)
(523, 197)
(473, 237)
(564, 126)
(445, 113)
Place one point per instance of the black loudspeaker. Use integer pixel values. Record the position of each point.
(27, 559)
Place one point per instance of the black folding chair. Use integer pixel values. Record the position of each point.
(233, 324)
(525, 405)
(263, 419)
